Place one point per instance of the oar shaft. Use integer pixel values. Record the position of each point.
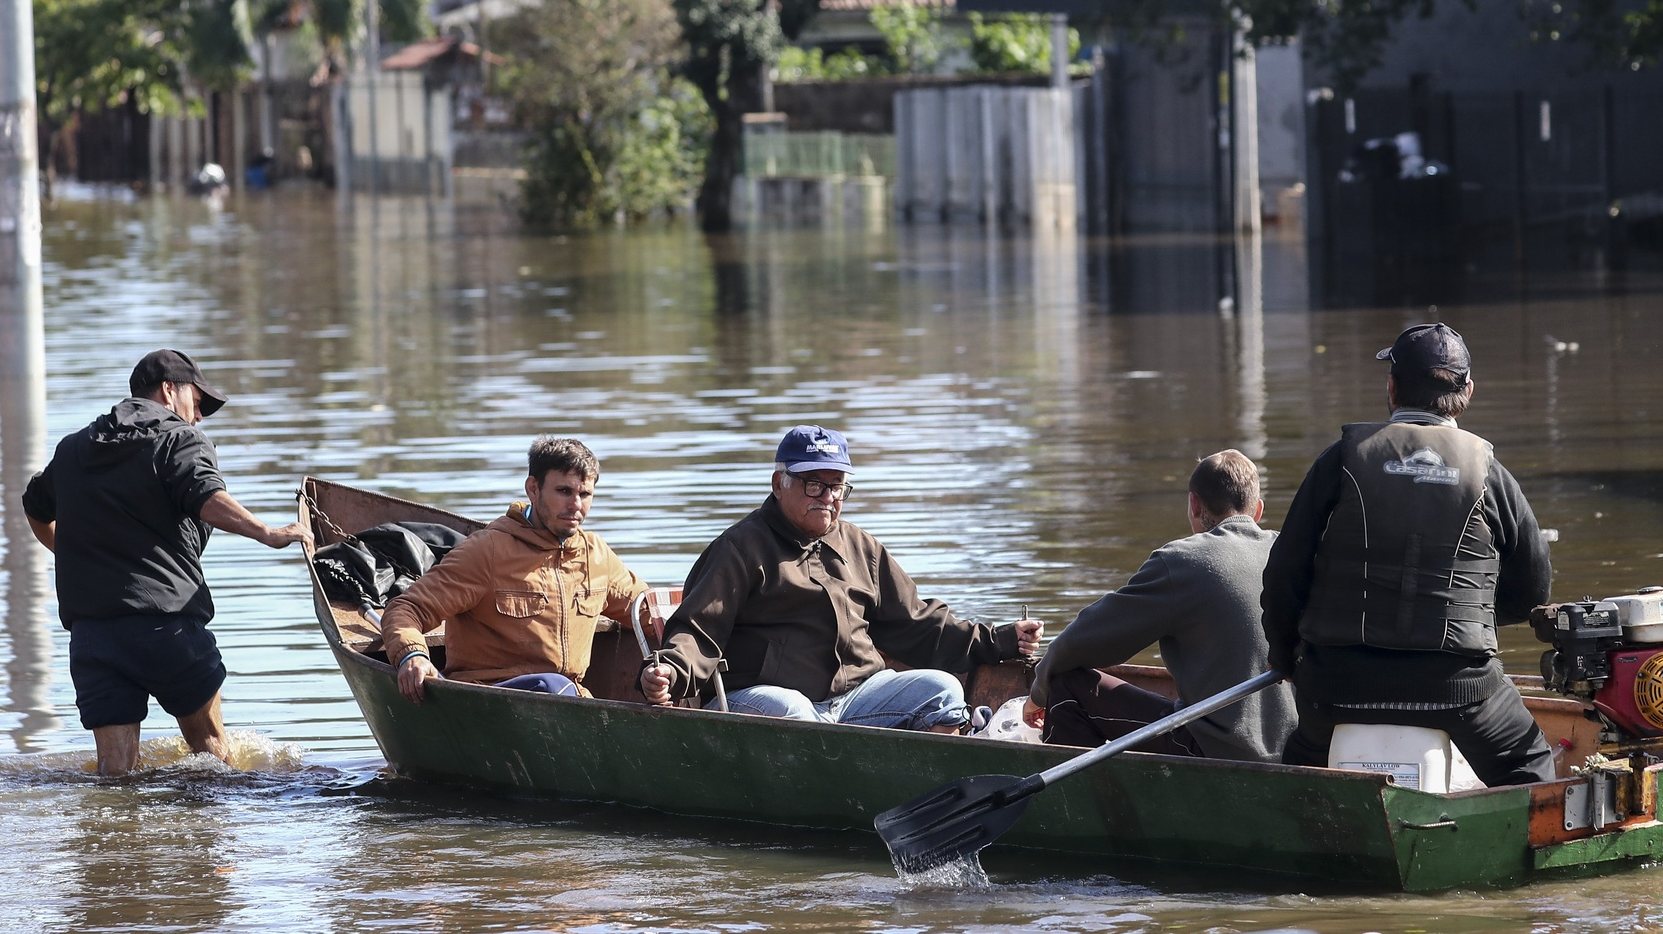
(1164, 725)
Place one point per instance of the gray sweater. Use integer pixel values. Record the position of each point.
(1199, 598)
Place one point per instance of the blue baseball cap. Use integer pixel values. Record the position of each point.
(809, 447)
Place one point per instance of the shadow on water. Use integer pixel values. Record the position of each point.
(998, 867)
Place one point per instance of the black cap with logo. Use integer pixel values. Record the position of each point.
(172, 366)
(1427, 347)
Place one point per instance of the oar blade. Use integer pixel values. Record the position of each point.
(951, 822)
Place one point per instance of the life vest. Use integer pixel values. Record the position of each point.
(1408, 560)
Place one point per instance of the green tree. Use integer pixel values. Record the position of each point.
(94, 54)
(730, 46)
(912, 35)
(1017, 42)
(340, 24)
(610, 133)
(1346, 40)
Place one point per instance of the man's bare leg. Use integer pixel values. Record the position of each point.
(204, 731)
(118, 748)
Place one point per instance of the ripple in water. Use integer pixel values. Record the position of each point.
(965, 872)
(250, 753)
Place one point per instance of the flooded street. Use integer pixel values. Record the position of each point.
(1023, 415)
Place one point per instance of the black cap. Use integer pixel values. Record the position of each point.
(172, 366)
(1427, 347)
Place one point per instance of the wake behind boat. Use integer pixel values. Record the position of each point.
(1354, 829)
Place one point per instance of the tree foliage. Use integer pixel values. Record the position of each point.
(610, 132)
(912, 36)
(341, 24)
(95, 54)
(1346, 40)
(1017, 42)
(1623, 34)
(730, 45)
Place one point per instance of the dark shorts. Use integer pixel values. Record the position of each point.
(119, 664)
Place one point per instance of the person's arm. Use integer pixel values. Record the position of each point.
(1526, 570)
(1119, 625)
(455, 584)
(223, 512)
(926, 633)
(45, 532)
(622, 584)
(189, 471)
(41, 508)
(1288, 572)
(697, 633)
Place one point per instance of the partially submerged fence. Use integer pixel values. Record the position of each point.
(989, 153)
(819, 154)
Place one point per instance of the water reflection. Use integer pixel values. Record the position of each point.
(25, 614)
(142, 856)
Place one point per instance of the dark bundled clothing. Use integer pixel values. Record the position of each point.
(811, 615)
(378, 564)
(126, 492)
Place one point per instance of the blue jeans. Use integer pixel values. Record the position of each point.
(908, 700)
(547, 683)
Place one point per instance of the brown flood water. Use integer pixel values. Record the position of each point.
(1023, 414)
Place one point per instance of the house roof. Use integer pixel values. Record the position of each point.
(424, 52)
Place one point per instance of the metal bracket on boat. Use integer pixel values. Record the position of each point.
(1592, 803)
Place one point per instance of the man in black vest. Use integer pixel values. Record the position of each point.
(1405, 543)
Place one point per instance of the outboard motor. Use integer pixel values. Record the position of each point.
(1609, 653)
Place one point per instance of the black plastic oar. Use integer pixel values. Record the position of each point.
(959, 818)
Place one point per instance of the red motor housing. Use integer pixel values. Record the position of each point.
(1632, 698)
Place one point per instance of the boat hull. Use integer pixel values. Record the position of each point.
(1310, 826)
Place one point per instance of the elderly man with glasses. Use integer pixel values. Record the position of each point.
(1404, 547)
(800, 604)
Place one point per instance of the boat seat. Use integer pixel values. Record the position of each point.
(1414, 756)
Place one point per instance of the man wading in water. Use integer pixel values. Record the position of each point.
(127, 504)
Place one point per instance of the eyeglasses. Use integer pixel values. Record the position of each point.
(814, 489)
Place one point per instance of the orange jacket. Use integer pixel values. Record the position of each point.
(515, 601)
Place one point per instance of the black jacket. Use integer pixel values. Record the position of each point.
(126, 492)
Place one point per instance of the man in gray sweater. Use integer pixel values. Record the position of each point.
(1199, 598)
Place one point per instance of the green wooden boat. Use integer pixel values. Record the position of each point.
(1313, 827)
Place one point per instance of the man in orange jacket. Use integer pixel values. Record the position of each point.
(523, 595)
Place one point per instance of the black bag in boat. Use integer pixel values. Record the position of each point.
(378, 564)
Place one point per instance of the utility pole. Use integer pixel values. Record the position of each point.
(20, 301)
(372, 74)
(22, 367)
(1059, 50)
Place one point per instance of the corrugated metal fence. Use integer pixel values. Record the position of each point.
(995, 154)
